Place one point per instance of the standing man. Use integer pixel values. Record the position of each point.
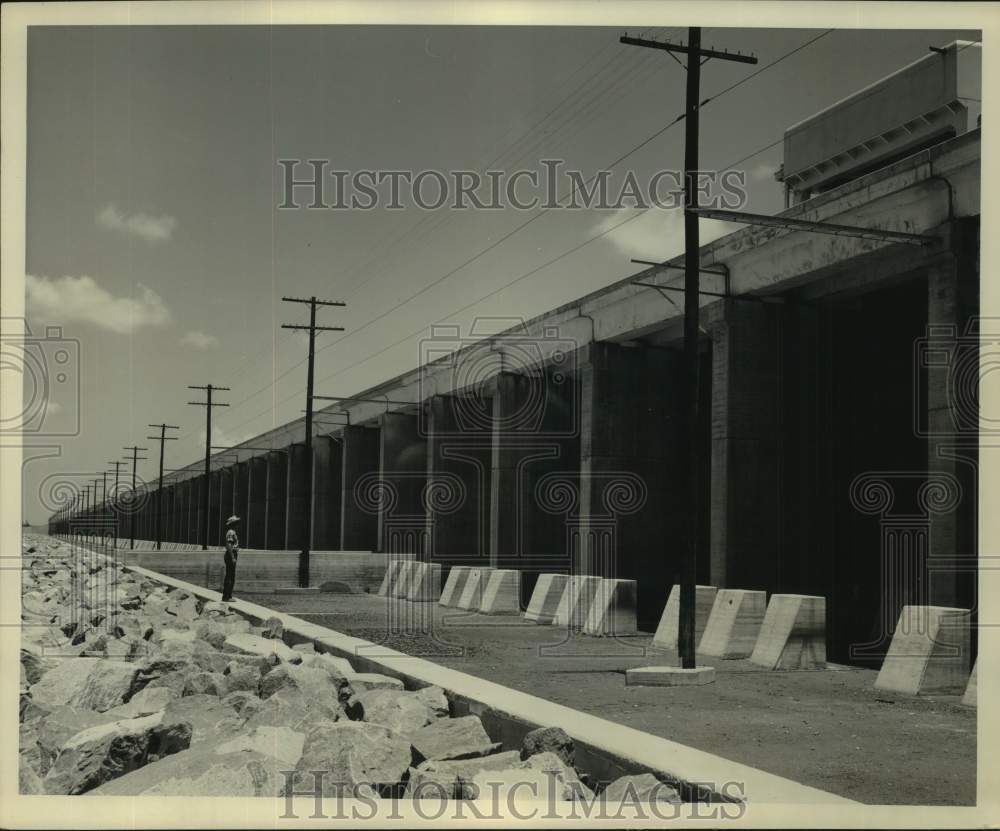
(232, 554)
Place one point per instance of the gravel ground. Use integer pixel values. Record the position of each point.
(829, 729)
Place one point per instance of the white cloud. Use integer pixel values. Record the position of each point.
(144, 226)
(199, 340)
(655, 234)
(763, 173)
(222, 438)
(80, 299)
(658, 234)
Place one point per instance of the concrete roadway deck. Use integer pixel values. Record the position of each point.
(829, 729)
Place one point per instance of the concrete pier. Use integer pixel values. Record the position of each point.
(359, 521)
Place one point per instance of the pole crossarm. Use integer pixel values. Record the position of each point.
(792, 224)
(309, 300)
(313, 328)
(724, 55)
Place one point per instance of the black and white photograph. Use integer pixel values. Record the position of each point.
(488, 414)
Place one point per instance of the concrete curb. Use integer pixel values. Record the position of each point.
(604, 748)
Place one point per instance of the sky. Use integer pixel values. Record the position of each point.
(155, 242)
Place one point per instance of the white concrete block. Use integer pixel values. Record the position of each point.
(545, 598)
(389, 581)
(971, 697)
(426, 584)
(404, 578)
(472, 592)
(793, 635)
(454, 585)
(929, 653)
(574, 605)
(733, 624)
(612, 611)
(502, 593)
(666, 631)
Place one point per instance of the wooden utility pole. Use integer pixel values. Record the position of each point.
(117, 463)
(307, 475)
(162, 438)
(208, 403)
(131, 520)
(692, 263)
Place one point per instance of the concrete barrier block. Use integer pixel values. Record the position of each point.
(970, 699)
(574, 605)
(426, 584)
(929, 653)
(472, 592)
(391, 575)
(454, 585)
(793, 635)
(502, 593)
(612, 611)
(666, 631)
(404, 578)
(733, 624)
(545, 598)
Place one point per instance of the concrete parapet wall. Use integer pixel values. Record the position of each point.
(257, 570)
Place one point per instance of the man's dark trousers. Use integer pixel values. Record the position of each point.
(230, 578)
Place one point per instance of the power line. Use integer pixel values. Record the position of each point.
(428, 218)
(207, 404)
(530, 220)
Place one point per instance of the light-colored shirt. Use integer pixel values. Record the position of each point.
(232, 541)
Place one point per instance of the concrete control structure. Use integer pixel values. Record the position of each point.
(840, 451)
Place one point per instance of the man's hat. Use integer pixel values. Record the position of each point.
(232, 520)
